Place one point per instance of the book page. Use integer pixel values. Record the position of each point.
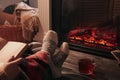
(15, 49)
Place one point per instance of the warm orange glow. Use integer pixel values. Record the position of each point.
(93, 37)
(101, 41)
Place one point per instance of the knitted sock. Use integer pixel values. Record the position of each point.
(56, 72)
(61, 55)
(50, 41)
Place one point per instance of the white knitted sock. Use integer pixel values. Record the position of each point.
(50, 41)
(56, 72)
(61, 55)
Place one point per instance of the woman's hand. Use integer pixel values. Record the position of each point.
(11, 68)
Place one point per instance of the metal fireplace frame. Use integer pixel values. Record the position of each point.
(56, 26)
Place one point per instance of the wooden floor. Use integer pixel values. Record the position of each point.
(106, 69)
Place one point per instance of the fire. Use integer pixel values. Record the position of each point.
(93, 36)
(101, 41)
(91, 39)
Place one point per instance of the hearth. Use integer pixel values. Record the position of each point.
(91, 26)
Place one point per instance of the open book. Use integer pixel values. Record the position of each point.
(11, 48)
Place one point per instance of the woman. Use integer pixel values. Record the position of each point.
(43, 65)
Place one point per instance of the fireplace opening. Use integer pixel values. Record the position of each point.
(103, 38)
(91, 26)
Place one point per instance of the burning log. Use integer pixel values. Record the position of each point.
(93, 36)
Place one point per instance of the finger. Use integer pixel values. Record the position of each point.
(17, 61)
(11, 59)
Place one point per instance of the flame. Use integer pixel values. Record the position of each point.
(91, 39)
(101, 41)
(93, 36)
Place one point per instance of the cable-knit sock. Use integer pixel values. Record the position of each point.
(50, 41)
(56, 71)
(61, 55)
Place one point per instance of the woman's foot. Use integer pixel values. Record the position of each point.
(50, 41)
(61, 55)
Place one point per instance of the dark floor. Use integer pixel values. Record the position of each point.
(106, 69)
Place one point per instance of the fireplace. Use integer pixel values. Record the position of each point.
(91, 26)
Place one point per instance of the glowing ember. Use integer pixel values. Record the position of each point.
(93, 36)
